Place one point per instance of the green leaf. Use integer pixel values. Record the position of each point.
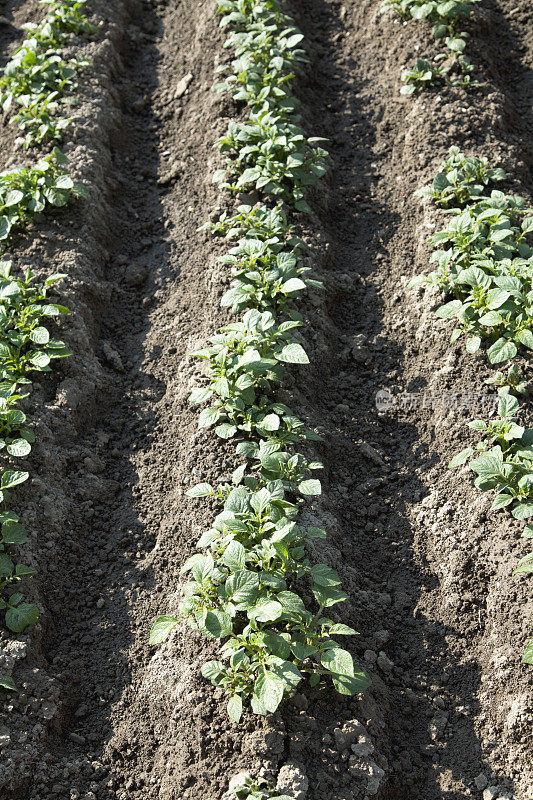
(501, 501)
(208, 417)
(5, 227)
(6, 566)
(324, 575)
(12, 478)
(525, 565)
(212, 670)
(200, 490)
(293, 285)
(292, 604)
(226, 430)
(310, 487)
(461, 458)
(18, 619)
(7, 683)
(473, 343)
(294, 354)
(218, 624)
(235, 707)
(260, 500)
(19, 448)
(525, 337)
(270, 422)
(234, 556)
(449, 309)
(199, 395)
(13, 533)
(346, 679)
(487, 465)
(269, 690)
(528, 653)
(266, 610)
(523, 511)
(243, 587)
(329, 595)
(40, 335)
(501, 350)
(341, 630)
(162, 628)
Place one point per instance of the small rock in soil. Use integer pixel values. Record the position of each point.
(371, 453)
(112, 357)
(384, 663)
(481, 781)
(135, 274)
(182, 86)
(169, 176)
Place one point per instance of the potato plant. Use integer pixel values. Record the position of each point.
(251, 583)
(271, 156)
(25, 347)
(485, 263)
(33, 84)
(258, 222)
(503, 458)
(450, 68)
(486, 266)
(26, 191)
(264, 278)
(260, 789)
(37, 77)
(460, 180)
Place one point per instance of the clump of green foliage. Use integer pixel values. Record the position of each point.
(252, 584)
(33, 85)
(485, 267)
(38, 77)
(452, 67)
(25, 347)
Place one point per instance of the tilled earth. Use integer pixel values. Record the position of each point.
(443, 623)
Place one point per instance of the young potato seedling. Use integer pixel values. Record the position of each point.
(251, 585)
(487, 267)
(37, 77)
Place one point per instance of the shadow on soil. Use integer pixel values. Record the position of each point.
(372, 500)
(92, 607)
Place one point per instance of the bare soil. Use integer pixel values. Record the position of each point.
(442, 621)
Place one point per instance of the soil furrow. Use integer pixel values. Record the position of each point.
(130, 725)
(101, 715)
(438, 599)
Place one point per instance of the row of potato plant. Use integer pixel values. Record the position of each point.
(448, 68)
(252, 585)
(484, 261)
(34, 80)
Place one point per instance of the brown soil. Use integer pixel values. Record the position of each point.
(100, 714)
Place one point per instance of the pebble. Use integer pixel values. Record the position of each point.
(112, 357)
(135, 274)
(384, 663)
(182, 86)
(481, 780)
(169, 176)
(371, 453)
